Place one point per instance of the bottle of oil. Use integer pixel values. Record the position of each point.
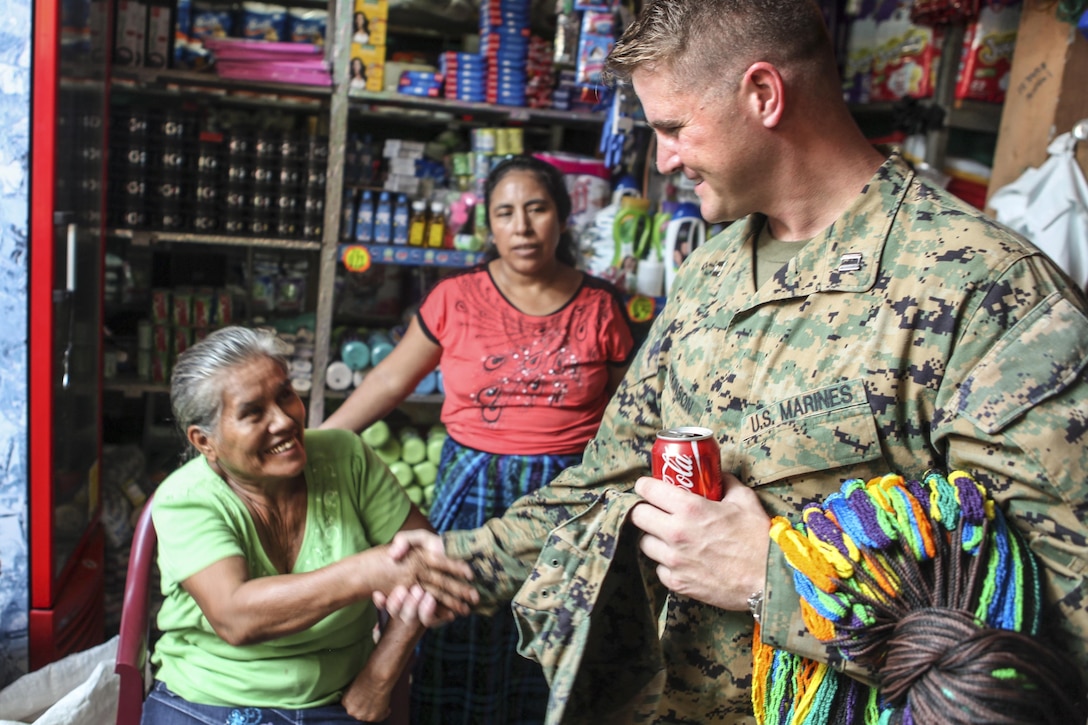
(436, 225)
(417, 227)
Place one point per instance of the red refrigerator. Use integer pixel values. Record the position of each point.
(68, 124)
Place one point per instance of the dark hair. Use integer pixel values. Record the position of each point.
(697, 39)
(552, 180)
(366, 21)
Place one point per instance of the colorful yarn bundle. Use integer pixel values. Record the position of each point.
(925, 586)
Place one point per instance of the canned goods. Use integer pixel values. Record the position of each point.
(182, 309)
(143, 334)
(224, 308)
(203, 303)
(688, 457)
(181, 340)
(160, 338)
(160, 306)
(143, 364)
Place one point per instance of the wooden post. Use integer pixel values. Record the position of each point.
(1047, 94)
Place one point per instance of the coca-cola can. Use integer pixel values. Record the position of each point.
(688, 457)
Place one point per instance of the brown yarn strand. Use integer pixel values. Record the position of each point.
(929, 651)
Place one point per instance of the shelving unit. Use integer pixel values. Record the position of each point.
(339, 108)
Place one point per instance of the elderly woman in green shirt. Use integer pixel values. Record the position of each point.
(272, 541)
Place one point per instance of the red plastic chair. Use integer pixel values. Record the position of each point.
(133, 646)
(134, 640)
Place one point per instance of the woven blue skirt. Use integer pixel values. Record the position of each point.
(469, 672)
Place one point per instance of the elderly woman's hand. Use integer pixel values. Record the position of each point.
(428, 601)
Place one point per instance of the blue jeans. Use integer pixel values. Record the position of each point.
(163, 707)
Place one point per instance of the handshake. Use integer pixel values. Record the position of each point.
(440, 588)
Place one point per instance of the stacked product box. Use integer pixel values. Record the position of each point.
(366, 70)
(465, 76)
(403, 158)
(504, 43)
(423, 83)
(541, 74)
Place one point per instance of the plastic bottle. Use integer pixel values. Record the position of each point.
(364, 218)
(383, 220)
(380, 346)
(436, 225)
(347, 216)
(400, 220)
(417, 229)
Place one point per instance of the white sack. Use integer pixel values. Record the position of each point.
(80, 689)
(1049, 206)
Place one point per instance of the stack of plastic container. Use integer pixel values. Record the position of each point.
(420, 83)
(465, 76)
(504, 43)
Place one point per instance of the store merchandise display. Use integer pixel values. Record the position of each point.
(412, 458)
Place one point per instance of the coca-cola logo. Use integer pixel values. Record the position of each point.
(678, 469)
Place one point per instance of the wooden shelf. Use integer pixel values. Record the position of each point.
(183, 83)
(390, 103)
(148, 237)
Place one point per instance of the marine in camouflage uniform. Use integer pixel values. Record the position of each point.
(912, 333)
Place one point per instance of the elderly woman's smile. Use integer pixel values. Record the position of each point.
(259, 438)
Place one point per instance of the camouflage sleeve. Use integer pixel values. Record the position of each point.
(502, 552)
(1016, 416)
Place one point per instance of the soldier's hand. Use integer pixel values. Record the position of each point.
(713, 551)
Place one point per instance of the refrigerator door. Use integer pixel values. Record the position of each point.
(67, 185)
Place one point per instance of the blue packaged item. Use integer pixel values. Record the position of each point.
(420, 77)
(364, 218)
(211, 21)
(261, 21)
(401, 214)
(421, 91)
(306, 25)
(383, 220)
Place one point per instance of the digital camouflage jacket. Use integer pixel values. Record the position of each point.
(914, 333)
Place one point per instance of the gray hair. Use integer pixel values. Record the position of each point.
(697, 40)
(196, 385)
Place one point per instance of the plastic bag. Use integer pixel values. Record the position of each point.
(81, 689)
(1049, 206)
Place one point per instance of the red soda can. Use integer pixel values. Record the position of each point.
(688, 457)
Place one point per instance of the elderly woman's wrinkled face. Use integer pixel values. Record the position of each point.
(261, 426)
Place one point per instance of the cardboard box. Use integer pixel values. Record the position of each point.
(129, 42)
(366, 71)
(369, 22)
(160, 35)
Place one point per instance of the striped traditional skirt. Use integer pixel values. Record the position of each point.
(469, 671)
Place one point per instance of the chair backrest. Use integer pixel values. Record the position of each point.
(134, 640)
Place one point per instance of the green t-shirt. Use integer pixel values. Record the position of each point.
(353, 504)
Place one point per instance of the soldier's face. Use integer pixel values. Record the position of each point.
(700, 134)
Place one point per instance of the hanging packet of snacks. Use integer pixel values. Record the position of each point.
(905, 58)
(988, 44)
(934, 13)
